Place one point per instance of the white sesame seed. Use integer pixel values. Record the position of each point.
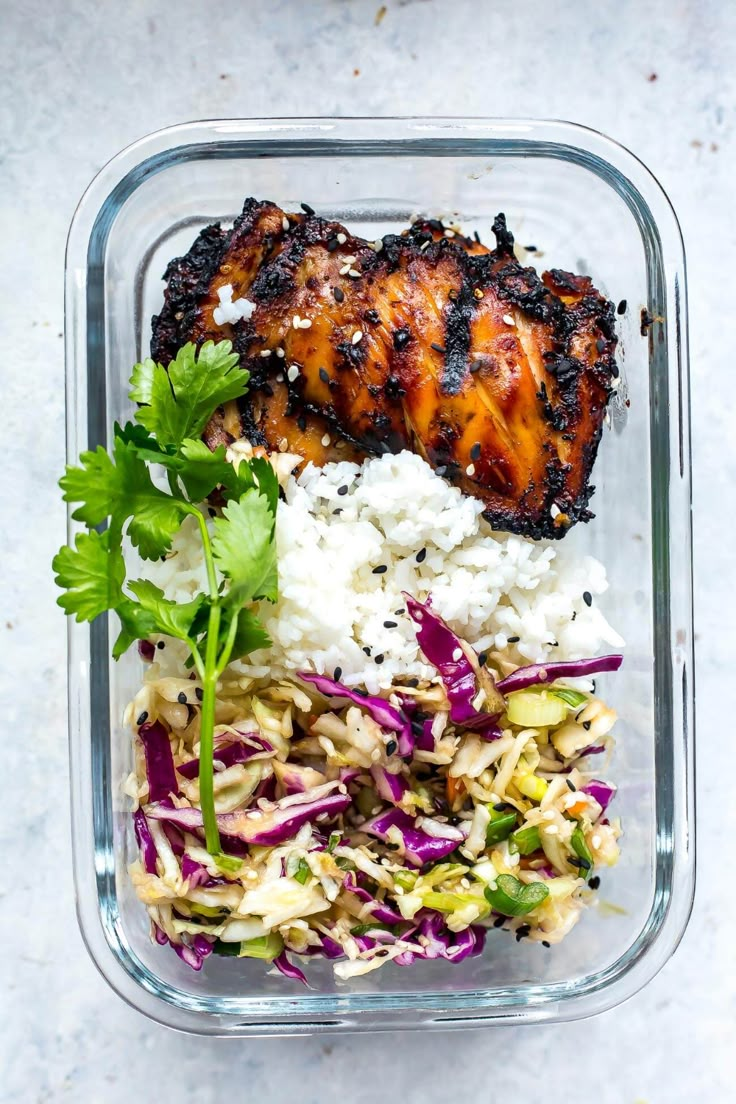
(265, 353)
(423, 246)
(285, 223)
(326, 440)
(470, 470)
(457, 654)
(555, 510)
(296, 321)
(357, 337)
(280, 353)
(509, 320)
(305, 323)
(342, 238)
(292, 373)
(449, 233)
(279, 377)
(378, 245)
(551, 830)
(354, 273)
(349, 260)
(344, 270)
(596, 841)
(283, 445)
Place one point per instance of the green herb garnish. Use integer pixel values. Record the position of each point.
(525, 841)
(584, 860)
(573, 698)
(302, 871)
(500, 827)
(118, 491)
(514, 898)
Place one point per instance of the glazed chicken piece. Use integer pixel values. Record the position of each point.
(424, 341)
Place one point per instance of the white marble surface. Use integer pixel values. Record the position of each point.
(81, 79)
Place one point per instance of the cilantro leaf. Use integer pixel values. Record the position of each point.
(136, 624)
(266, 481)
(91, 574)
(245, 550)
(201, 470)
(249, 635)
(120, 489)
(173, 618)
(178, 401)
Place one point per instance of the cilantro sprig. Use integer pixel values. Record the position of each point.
(118, 497)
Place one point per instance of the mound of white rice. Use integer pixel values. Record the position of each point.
(351, 538)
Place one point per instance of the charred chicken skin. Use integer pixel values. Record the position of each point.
(498, 377)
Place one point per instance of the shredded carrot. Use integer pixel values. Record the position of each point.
(454, 788)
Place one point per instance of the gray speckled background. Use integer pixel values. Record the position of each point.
(79, 80)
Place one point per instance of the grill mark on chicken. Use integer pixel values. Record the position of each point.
(498, 377)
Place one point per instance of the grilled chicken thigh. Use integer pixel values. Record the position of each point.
(498, 378)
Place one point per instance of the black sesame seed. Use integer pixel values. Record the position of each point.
(339, 294)
(391, 747)
(182, 698)
(417, 725)
(531, 248)
(621, 308)
(586, 726)
(337, 511)
(414, 682)
(574, 615)
(390, 624)
(211, 511)
(474, 367)
(143, 718)
(372, 316)
(587, 598)
(502, 806)
(571, 785)
(522, 931)
(514, 639)
(367, 649)
(343, 490)
(398, 612)
(302, 422)
(307, 209)
(475, 451)
(332, 245)
(545, 943)
(421, 555)
(438, 348)
(379, 658)
(161, 644)
(594, 882)
(324, 375)
(482, 659)
(401, 338)
(600, 345)
(337, 674)
(440, 470)
(476, 235)
(499, 921)
(380, 570)
(199, 692)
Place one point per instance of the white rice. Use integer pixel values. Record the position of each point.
(488, 586)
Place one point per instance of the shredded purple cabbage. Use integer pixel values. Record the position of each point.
(390, 787)
(379, 911)
(229, 754)
(146, 845)
(382, 712)
(603, 792)
(537, 673)
(193, 953)
(159, 761)
(419, 846)
(258, 827)
(285, 966)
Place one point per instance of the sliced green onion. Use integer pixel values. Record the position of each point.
(266, 947)
(333, 842)
(525, 840)
(406, 879)
(514, 898)
(302, 871)
(219, 947)
(535, 709)
(581, 849)
(574, 698)
(228, 864)
(500, 827)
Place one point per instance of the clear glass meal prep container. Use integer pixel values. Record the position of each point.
(587, 205)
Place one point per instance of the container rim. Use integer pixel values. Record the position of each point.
(419, 136)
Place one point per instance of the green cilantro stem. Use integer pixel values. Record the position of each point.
(207, 734)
